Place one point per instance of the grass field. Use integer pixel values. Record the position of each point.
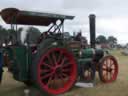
(11, 87)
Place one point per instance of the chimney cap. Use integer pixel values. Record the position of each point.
(92, 15)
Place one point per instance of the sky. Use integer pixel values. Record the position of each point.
(111, 15)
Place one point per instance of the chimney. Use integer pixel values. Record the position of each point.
(92, 30)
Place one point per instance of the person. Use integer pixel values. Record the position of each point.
(78, 36)
(1, 66)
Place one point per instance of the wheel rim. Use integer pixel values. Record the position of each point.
(57, 71)
(109, 69)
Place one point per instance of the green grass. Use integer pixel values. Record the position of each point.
(11, 87)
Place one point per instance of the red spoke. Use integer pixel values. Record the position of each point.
(109, 75)
(112, 73)
(60, 55)
(65, 70)
(111, 62)
(62, 79)
(105, 69)
(56, 78)
(47, 75)
(47, 65)
(48, 84)
(106, 75)
(105, 63)
(65, 75)
(62, 62)
(45, 70)
(66, 65)
(108, 63)
(53, 82)
(54, 58)
(49, 59)
(113, 69)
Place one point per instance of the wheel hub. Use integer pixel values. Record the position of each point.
(109, 69)
(57, 69)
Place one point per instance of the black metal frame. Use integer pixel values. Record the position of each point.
(57, 28)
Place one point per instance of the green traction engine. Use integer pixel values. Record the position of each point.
(56, 61)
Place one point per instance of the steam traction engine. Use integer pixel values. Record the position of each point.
(55, 62)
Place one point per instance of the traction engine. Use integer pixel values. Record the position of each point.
(55, 63)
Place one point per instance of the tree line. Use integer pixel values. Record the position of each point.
(111, 40)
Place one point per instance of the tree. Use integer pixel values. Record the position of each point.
(101, 39)
(112, 41)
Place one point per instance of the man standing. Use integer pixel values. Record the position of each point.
(1, 65)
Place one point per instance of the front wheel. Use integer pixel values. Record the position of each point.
(108, 69)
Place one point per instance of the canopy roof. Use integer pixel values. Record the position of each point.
(15, 16)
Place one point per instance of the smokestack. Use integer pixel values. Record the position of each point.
(92, 30)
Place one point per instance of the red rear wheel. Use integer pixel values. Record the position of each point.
(108, 69)
(57, 71)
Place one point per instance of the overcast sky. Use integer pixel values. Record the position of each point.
(112, 15)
